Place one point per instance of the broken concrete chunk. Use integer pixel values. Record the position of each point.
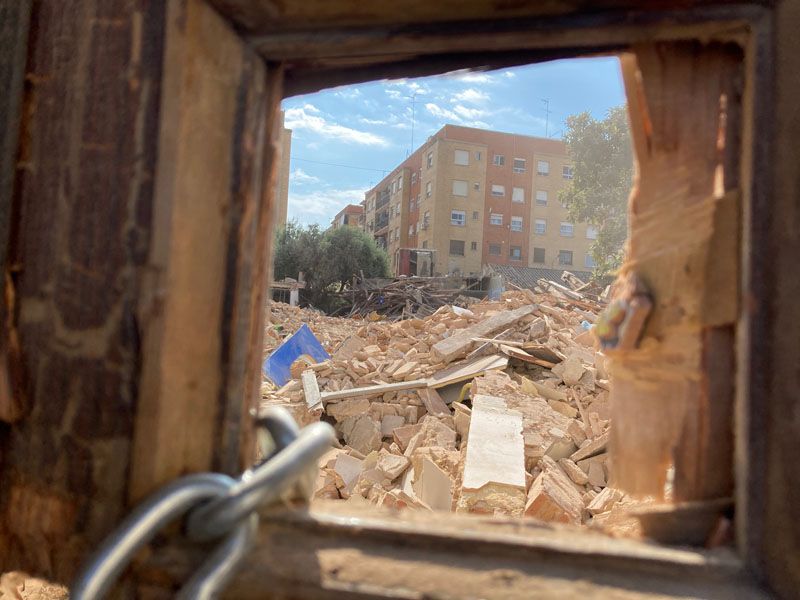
(362, 433)
(604, 501)
(553, 497)
(564, 408)
(348, 469)
(573, 471)
(391, 465)
(594, 447)
(573, 370)
(433, 486)
(391, 422)
(562, 445)
(348, 408)
(402, 435)
(494, 470)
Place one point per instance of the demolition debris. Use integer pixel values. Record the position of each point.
(500, 408)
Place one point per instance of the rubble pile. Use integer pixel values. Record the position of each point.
(501, 408)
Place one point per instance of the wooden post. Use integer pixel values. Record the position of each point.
(139, 252)
(669, 398)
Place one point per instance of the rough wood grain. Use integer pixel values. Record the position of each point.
(81, 229)
(14, 23)
(768, 427)
(661, 398)
(196, 313)
(320, 554)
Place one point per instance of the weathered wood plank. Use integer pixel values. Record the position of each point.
(319, 554)
(458, 344)
(14, 23)
(768, 430)
(684, 182)
(81, 229)
(291, 15)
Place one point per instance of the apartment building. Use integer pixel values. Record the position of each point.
(351, 215)
(481, 197)
(386, 211)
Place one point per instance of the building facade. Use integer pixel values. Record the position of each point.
(480, 197)
(351, 215)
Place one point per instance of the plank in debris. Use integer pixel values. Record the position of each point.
(311, 390)
(494, 469)
(373, 390)
(458, 344)
(520, 354)
(467, 370)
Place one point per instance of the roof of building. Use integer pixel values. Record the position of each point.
(525, 277)
(351, 209)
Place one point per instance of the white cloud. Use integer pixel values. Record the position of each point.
(460, 115)
(472, 96)
(300, 176)
(367, 121)
(471, 76)
(395, 94)
(308, 118)
(469, 113)
(348, 93)
(321, 206)
(509, 74)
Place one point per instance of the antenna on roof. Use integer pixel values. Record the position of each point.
(546, 116)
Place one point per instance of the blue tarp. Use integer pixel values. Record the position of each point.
(301, 342)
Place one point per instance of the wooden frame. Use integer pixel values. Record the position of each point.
(70, 467)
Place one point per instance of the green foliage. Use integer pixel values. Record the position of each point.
(602, 156)
(328, 259)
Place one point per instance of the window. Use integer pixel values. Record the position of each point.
(413, 178)
(424, 244)
(566, 172)
(563, 203)
(519, 165)
(565, 257)
(476, 186)
(541, 198)
(462, 158)
(543, 167)
(400, 183)
(410, 230)
(475, 215)
(460, 188)
(499, 160)
(538, 255)
(516, 223)
(495, 249)
(498, 190)
(473, 245)
(591, 233)
(567, 229)
(411, 206)
(457, 247)
(518, 195)
(540, 226)
(588, 262)
(429, 159)
(458, 217)
(426, 219)
(516, 253)
(394, 187)
(428, 188)
(495, 219)
(478, 155)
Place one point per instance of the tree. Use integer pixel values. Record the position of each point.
(602, 156)
(328, 260)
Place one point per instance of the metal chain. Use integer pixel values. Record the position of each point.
(216, 506)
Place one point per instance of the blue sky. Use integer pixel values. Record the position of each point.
(363, 131)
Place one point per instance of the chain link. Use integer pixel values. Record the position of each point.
(215, 506)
